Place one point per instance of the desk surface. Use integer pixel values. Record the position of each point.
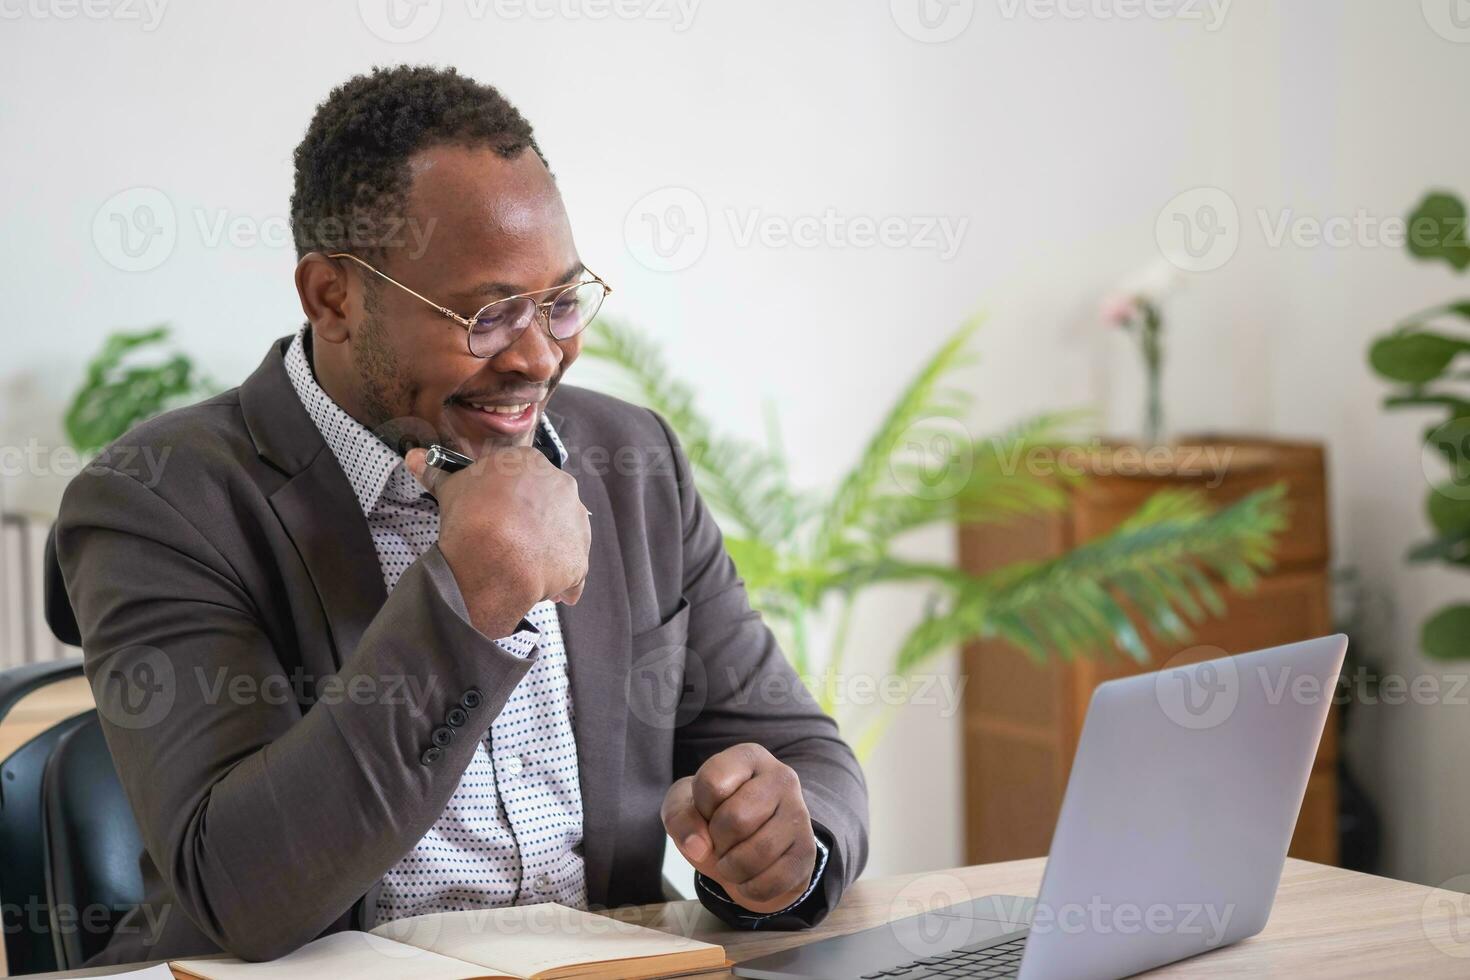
(1326, 922)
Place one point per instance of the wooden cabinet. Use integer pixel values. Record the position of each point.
(1022, 719)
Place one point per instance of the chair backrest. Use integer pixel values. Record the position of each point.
(24, 907)
(69, 841)
(92, 844)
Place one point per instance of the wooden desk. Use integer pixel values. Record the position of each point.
(41, 709)
(1326, 923)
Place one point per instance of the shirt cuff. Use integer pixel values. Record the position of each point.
(751, 919)
(521, 643)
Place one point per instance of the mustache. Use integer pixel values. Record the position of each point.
(512, 391)
(506, 394)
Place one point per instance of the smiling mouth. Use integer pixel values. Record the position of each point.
(498, 418)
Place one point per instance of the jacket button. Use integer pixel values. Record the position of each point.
(471, 699)
(442, 736)
(431, 755)
(456, 717)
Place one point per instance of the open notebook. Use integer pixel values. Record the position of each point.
(527, 942)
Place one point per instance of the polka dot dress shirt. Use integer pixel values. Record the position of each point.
(512, 832)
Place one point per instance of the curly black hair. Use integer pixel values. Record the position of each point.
(352, 172)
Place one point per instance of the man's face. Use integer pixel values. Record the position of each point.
(479, 228)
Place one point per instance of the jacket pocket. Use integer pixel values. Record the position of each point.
(666, 685)
(674, 630)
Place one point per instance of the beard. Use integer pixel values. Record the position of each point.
(388, 395)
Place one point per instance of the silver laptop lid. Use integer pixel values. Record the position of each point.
(1180, 807)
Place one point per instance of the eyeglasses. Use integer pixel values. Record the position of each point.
(498, 325)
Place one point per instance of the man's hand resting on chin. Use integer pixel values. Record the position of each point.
(741, 820)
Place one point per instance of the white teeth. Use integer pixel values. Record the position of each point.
(504, 409)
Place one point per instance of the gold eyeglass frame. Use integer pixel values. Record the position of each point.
(542, 312)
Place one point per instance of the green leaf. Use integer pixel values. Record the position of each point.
(1452, 441)
(756, 562)
(1456, 406)
(1414, 357)
(1011, 475)
(1437, 230)
(1448, 508)
(744, 484)
(1446, 634)
(115, 396)
(1452, 547)
(924, 416)
(1155, 564)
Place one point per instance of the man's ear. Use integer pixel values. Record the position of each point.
(325, 291)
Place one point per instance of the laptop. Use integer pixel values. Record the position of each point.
(1171, 839)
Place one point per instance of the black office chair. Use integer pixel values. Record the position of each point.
(70, 842)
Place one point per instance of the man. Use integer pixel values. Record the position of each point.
(343, 687)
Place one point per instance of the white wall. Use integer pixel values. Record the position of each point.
(1057, 138)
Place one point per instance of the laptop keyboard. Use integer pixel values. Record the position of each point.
(1002, 960)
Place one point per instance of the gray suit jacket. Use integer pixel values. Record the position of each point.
(271, 711)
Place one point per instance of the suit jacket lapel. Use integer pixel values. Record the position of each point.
(325, 522)
(598, 641)
(316, 505)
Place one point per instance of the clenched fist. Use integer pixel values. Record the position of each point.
(741, 820)
(513, 530)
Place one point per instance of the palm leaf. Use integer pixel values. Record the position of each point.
(1001, 485)
(744, 484)
(1162, 565)
(922, 412)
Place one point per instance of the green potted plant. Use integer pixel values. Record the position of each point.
(136, 375)
(807, 553)
(1421, 357)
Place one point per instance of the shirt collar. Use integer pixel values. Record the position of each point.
(374, 469)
